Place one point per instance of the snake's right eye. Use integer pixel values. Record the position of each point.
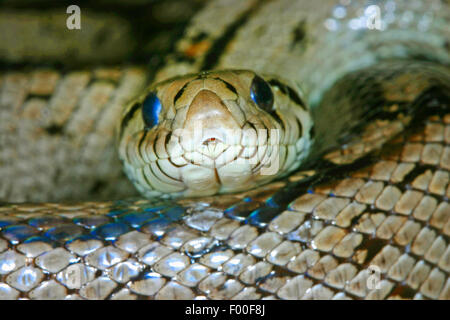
(151, 108)
(261, 94)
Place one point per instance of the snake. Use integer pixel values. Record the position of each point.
(282, 150)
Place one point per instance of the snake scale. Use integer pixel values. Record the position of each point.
(358, 92)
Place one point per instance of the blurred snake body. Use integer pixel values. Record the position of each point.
(255, 91)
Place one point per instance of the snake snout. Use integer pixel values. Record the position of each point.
(209, 126)
(208, 111)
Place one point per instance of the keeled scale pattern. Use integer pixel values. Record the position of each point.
(392, 214)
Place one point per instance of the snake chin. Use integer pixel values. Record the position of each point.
(214, 134)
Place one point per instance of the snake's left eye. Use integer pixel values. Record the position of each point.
(261, 94)
(151, 108)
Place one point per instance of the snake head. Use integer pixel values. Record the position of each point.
(213, 132)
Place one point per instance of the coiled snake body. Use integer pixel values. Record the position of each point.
(352, 94)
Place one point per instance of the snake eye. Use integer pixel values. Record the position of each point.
(261, 94)
(151, 108)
